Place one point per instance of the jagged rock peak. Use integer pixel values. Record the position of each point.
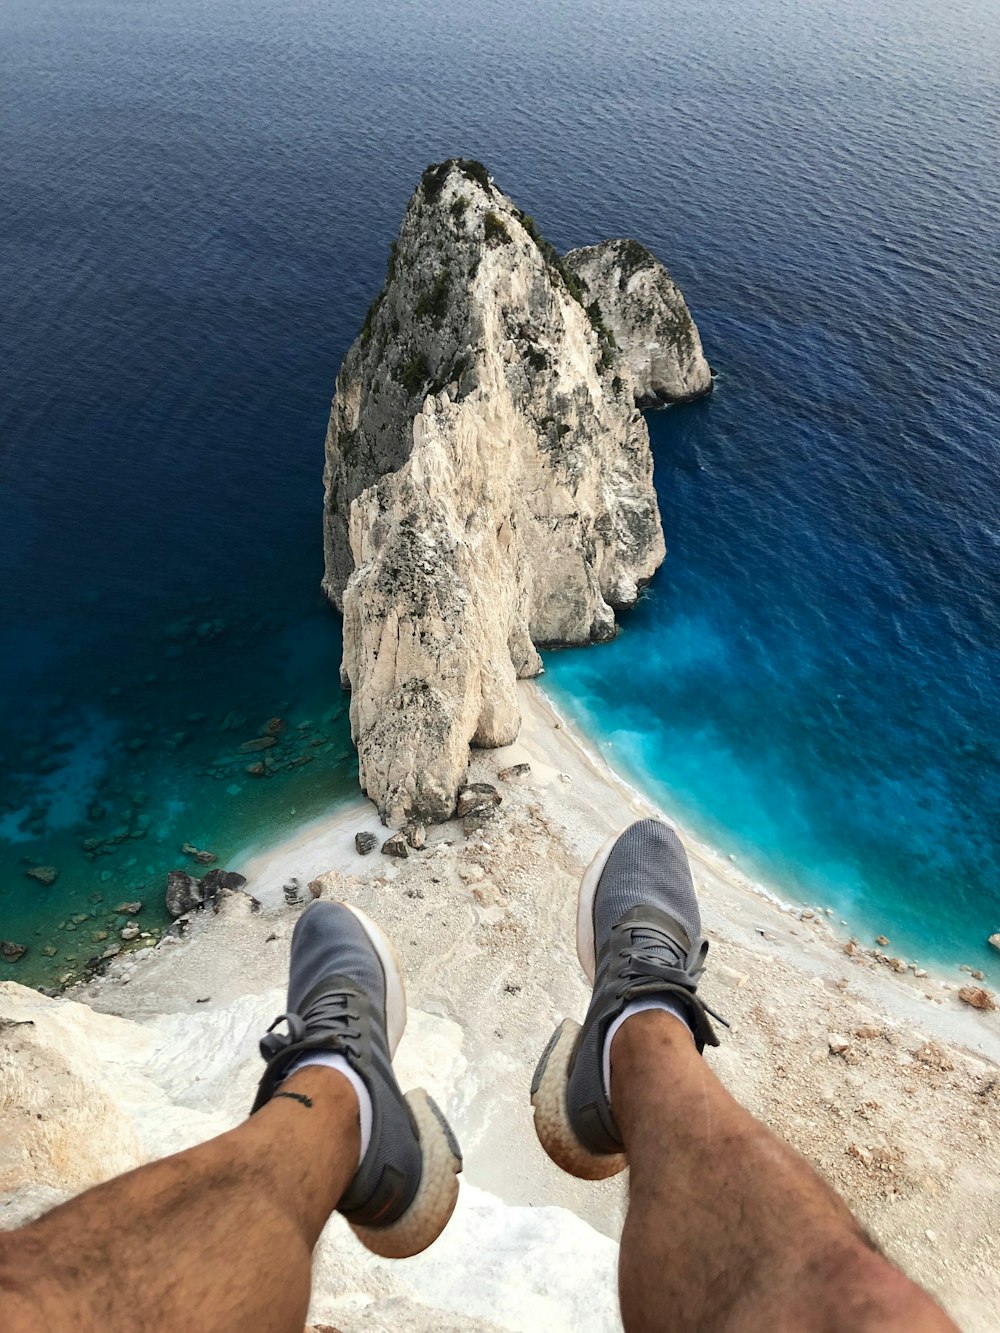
(643, 308)
(488, 487)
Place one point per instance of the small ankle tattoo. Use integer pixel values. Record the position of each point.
(296, 1097)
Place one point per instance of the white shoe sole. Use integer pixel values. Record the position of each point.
(548, 1088)
(436, 1196)
(586, 949)
(552, 1121)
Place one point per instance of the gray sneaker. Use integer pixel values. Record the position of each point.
(638, 935)
(345, 994)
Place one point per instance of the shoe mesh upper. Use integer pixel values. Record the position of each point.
(647, 867)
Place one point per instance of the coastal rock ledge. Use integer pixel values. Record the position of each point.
(489, 480)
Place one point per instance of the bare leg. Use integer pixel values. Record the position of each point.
(217, 1239)
(727, 1227)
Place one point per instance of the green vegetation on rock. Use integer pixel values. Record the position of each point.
(495, 229)
(415, 374)
(433, 304)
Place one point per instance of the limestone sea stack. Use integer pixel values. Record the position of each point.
(489, 488)
(645, 311)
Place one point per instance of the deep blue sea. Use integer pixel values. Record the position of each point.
(197, 202)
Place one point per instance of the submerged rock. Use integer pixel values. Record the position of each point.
(489, 487)
(258, 743)
(43, 874)
(645, 312)
(994, 940)
(203, 858)
(12, 952)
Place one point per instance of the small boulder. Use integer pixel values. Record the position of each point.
(129, 933)
(128, 909)
(994, 940)
(274, 726)
(977, 998)
(258, 743)
(395, 846)
(43, 874)
(478, 819)
(515, 771)
(415, 835)
(477, 796)
(365, 843)
(203, 858)
(217, 880)
(184, 893)
(11, 952)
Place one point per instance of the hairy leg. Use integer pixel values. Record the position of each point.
(217, 1239)
(728, 1228)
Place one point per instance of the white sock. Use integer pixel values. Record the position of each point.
(334, 1061)
(667, 1002)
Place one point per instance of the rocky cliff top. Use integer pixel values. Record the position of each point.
(648, 317)
(488, 486)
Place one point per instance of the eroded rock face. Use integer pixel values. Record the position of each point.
(61, 1128)
(489, 487)
(643, 307)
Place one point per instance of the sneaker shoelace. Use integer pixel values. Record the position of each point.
(653, 957)
(331, 1012)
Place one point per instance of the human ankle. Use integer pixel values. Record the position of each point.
(669, 1005)
(312, 1075)
(649, 1027)
(647, 1047)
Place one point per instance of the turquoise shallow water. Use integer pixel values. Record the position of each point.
(198, 204)
(157, 761)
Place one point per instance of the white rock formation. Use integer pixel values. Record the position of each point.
(643, 308)
(489, 487)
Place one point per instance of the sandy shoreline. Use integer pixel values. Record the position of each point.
(558, 752)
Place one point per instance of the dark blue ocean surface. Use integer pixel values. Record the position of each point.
(197, 204)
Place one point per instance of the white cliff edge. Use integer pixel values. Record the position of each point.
(489, 488)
